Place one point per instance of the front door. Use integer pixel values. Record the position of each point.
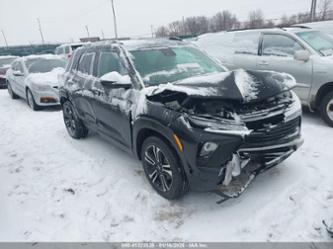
(112, 106)
(17, 79)
(277, 54)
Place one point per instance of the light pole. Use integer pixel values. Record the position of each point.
(4, 37)
(87, 29)
(40, 30)
(313, 10)
(114, 20)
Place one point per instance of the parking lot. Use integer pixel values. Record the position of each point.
(55, 188)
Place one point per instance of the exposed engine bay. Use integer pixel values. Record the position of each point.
(261, 124)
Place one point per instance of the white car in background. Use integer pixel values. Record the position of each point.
(5, 62)
(35, 78)
(66, 50)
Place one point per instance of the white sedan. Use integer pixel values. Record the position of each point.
(35, 78)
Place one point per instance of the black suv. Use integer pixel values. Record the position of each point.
(193, 124)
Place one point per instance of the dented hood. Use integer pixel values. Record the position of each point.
(239, 85)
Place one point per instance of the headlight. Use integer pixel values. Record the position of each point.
(39, 87)
(295, 108)
(216, 122)
(208, 148)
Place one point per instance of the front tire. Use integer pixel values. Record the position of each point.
(31, 101)
(74, 125)
(163, 169)
(326, 109)
(11, 92)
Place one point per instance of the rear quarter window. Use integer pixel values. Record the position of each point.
(246, 43)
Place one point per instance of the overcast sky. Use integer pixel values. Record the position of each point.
(65, 20)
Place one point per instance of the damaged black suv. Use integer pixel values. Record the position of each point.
(193, 124)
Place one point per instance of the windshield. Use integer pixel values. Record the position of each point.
(321, 42)
(44, 65)
(170, 64)
(6, 61)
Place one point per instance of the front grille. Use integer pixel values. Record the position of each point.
(275, 132)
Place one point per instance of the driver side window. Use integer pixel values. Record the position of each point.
(86, 63)
(109, 62)
(17, 66)
(279, 45)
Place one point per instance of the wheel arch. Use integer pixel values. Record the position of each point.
(323, 90)
(146, 132)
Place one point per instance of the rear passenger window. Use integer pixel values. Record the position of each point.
(246, 43)
(86, 63)
(279, 45)
(67, 50)
(60, 50)
(109, 62)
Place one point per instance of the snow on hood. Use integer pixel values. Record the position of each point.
(49, 78)
(239, 85)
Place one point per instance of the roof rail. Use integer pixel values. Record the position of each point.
(296, 26)
(175, 38)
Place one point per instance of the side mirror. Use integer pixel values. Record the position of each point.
(115, 80)
(302, 55)
(18, 73)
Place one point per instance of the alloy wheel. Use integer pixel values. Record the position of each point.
(69, 120)
(30, 99)
(158, 168)
(329, 109)
(9, 88)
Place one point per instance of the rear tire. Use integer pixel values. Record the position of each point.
(163, 169)
(11, 91)
(74, 125)
(31, 101)
(326, 109)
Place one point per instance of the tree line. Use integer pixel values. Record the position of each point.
(226, 21)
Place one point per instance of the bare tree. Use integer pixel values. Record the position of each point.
(223, 21)
(256, 19)
(325, 7)
(197, 25)
(303, 17)
(176, 28)
(284, 20)
(162, 32)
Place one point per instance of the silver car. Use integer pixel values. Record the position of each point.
(305, 53)
(35, 78)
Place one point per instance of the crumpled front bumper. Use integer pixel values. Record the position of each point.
(239, 173)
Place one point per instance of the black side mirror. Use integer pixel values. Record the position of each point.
(115, 85)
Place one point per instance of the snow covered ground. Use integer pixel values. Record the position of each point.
(54, 188)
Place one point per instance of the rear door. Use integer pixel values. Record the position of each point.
(82, 82)
(277, 54)
(246, 50)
